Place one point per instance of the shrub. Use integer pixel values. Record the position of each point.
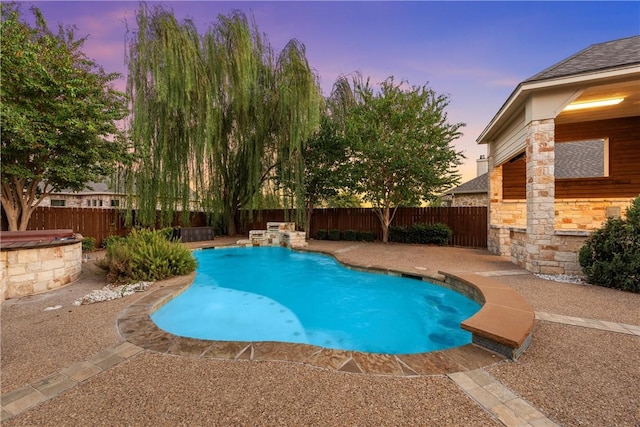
(610, 257)
(88, 244)
(322, 235)
(146, 255)
(365, 236)
(350, 235)
(398, 234)
(334, 234)
(438, 234)
(167, 233)
(110, 240)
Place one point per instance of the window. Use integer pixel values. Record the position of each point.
(582, 159)
(115, 203)
(58, 203)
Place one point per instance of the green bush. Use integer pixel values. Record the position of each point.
(366, 236)
(110, 240)
(166, 233)
(322, 235)
(610, 257)
(334, 235)
(146, 255)
(88, 244)
(350, 235)
(426, 234)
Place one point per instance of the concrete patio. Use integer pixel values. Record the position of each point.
(71, 366)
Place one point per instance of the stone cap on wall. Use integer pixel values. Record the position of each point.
(35, 238)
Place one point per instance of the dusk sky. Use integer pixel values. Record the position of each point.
(475, 52)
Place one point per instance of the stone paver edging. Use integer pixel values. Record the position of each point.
(25, 398)
(498, 400)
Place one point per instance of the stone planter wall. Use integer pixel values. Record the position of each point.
(35, 270)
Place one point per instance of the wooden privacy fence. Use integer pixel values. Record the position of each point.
(92, 222)
(469, 224)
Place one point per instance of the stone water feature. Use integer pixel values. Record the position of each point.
(276, 234)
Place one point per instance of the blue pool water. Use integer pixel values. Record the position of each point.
(275, 294)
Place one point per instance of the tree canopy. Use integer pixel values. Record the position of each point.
(325, 159)
(58, 114)
(402, 146)
(214, 115)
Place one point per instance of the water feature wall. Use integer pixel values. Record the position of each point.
(276, 234)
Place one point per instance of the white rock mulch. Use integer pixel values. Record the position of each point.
(564, 278)
(111, 292)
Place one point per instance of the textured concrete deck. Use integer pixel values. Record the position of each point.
(71, 367)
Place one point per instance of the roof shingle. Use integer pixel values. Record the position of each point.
(596, 57)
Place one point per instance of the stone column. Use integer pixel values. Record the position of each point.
(540, 195)
(498, 236)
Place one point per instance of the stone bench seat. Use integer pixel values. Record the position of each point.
(504, 323)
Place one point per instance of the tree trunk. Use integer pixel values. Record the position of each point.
(385, 220)
(12, 218)
(25, 216)
(307, 224)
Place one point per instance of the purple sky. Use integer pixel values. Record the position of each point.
(476, 52)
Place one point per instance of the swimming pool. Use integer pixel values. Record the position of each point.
(275, 294)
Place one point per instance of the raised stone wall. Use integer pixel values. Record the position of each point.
(39, 269)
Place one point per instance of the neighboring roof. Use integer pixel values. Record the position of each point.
(94, 188)
(479, 184)
(597, 57)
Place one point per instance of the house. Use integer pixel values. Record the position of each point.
(474, 192)
(563, 155)
(99, 195)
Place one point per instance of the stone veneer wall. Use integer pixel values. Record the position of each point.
(587, 214)
(470, 199)
(559, 256)
(40, 269)
(502, 214)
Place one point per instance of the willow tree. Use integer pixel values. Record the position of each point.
(214, 115)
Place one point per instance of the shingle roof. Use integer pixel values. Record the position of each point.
(597, 57)
(479, 184)
(578, 159)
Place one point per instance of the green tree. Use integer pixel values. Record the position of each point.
(324, 158)
(402, 144)
(343, 199)
(58, 115)
(214, 116)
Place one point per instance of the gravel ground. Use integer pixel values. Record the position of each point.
(154, 390)
(578, 376)
(574, 375)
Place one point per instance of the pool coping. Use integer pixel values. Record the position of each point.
(136, 326)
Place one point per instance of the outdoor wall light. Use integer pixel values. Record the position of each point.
(593, 104)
